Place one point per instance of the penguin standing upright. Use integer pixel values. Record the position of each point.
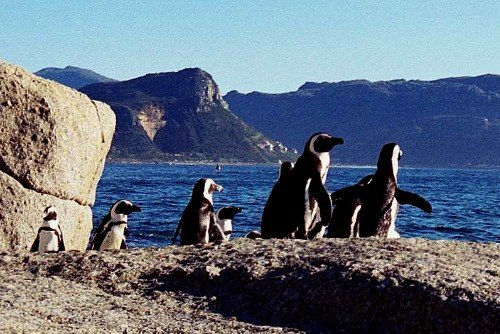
(275, 203)
(223, 223)
(291, 209)
(113, 231)
(198, 215)
(370, 207)
(49, 237)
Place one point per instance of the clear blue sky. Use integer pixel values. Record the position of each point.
(257, 45)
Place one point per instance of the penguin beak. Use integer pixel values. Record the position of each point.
(337, 141)
(134, 208)
(329, 143)
(218, 187)
(238, 209)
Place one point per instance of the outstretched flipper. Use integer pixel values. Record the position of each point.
(123, 245)
(320, 194)
(406, 197)
(34, 247)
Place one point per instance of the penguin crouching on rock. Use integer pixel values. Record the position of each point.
(370, 207)
(113, 231)
(49, 237)
(291, 210)
(198, 216)
(222, 227)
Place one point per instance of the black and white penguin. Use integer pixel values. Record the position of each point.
(198, 215)
(49, 237)
(370, 207)
(113, 231)
(291, 208)
(223, 223)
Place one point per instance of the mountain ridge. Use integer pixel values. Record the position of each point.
(72, 76)
(180, 115)
(446, 122)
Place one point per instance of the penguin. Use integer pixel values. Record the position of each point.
(300, 194)
(274, 198)
(223, 224)
(49, 237)
(198, 216)
(346, 205)
(113, 231)
(370, 207)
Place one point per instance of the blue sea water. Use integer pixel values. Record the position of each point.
(466, 203)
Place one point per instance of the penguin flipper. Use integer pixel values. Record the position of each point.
(123, 245)
(36, 243)
(125, 232)
(406, 197)
(61, 245)
(179, 227)
(215, 232)
(320, 194)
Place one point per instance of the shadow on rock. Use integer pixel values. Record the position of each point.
(332, 299)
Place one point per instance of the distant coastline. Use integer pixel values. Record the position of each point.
(240, 163)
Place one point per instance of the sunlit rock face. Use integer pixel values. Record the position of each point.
(53, 145)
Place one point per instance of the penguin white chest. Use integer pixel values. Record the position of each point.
(324, 158)
(48, 242)
(114, 238)
(392, 233)
(226, 226)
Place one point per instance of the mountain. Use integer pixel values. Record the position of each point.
(180, 115)
(71, 76)
(445, 122)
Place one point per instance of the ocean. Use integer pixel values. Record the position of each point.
(466, 202)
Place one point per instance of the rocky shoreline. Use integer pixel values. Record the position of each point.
(357, 285)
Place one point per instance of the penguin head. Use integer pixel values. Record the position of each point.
(49, 213)
(285, 168)
(228, 212)
(204, 188)
(321, 143)
(225, 216)
(388, 160)
(121, 209)
(50, 218)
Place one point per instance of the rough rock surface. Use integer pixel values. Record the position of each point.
(53, 145)
(364, 285)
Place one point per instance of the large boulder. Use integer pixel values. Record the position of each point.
(53, 145)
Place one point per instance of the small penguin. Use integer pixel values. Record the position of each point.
(300, 194)
(113, 231)
(223, 223)
(49, 237)
(370, 207)
(198, 216)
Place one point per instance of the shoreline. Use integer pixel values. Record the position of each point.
(207, 163)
